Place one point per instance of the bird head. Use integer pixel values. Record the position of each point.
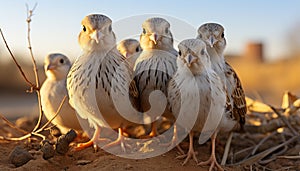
(57, 66)
(213, 35)
(192, 54)
(96, 33)
(156, 34)
(129, 47)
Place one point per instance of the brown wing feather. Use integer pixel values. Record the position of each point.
(239, 100)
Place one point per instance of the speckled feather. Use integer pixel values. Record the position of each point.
(97, 74)
(236, 96)
(157, 62)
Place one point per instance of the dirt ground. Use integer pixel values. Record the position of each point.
(87, 159)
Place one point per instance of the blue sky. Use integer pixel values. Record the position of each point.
(56, 23)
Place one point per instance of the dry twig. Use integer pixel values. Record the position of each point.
(37, 82)
(12, 125)
(37, 132)
(284, 120)
(263, 154)
(34, 87)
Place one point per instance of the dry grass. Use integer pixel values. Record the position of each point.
(270, 80)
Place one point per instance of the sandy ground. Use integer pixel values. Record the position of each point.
(88, 159)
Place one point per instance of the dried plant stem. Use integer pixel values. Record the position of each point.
(37, 82)
(16, 62)
(12, 125)
(262, 141)
(284, 120)
(38, 131)
(56, 113)
(259, 156)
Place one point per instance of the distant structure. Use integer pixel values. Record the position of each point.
(254, 51)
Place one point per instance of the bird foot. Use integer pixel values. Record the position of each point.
(85, 145)
(119, 141)
(213, 163)
(188, 156)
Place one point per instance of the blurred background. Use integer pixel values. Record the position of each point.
(263, 40)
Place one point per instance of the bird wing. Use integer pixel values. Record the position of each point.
(238, 96)
(114, 76)
(154, 69)
(81, 85)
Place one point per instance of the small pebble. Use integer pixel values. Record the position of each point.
(62, 143)
(55, 132)
(47, 149)
(19, 156)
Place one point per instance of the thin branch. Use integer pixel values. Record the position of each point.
(16, 62)
(12, 125)
(16, 139)
(289, 157)
(37, 82)
(263, 154)
(56, 113)
(37, 132)
(29, 15)
(284, 120)
(226, 151)
(262, 141)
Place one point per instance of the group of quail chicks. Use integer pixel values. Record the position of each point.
(108, 80)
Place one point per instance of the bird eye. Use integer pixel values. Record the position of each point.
(61, 61)
(137, 49)
(202, 52)
(109, 28)
(144, 31)
(179, 53)
(222, 35)
(84, 28)
(200, 36)
(167, 30)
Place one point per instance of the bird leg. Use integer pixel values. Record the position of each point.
(92, 142)
(191, 152)
(174, 141)
(154, 131)
(212, 160)
(118, 141)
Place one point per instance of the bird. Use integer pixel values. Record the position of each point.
(196, 94)
(100, 80)
(130, 49)
(213, 36)
(53, 90)
(154, 68)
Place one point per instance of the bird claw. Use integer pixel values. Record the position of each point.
(116, 143)
(188, 156)
(213, 163)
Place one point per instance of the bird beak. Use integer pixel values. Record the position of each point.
(212, 40)
(190, 59)
(50, 67)
(97, 36)
(154, 37)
